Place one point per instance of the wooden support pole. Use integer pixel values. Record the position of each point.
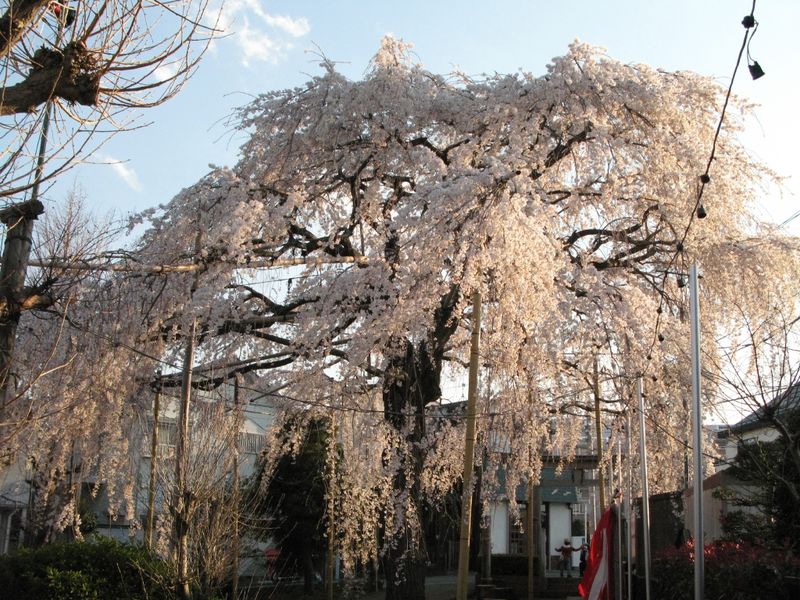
(182, 498)
(599, 433)
(330, 586)
(469, 451)
(151, 488)
(486, 531)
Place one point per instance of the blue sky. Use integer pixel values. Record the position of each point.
(274, 44)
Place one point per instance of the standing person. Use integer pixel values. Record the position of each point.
(566, 558)
(582, 559)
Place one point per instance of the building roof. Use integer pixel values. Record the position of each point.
(553, 486)
(781, 405)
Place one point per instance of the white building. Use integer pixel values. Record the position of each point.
(561, 500)
(257, 415)
(754, 428)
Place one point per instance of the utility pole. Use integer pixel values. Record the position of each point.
(151, 489)
(18, 219)
(469, 451)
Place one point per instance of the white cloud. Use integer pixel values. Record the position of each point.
(123, 171)
(259, 35)
(255, 45)
(294, 27)
(165, 72)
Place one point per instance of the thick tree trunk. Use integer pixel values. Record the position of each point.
(308, 571)
(412, 381)
(405, 574)
(71, 74)
(403, 397)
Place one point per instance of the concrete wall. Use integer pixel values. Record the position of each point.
(500, 524)
(560, 525)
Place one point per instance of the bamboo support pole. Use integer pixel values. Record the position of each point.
(151, 488)
(599, 434)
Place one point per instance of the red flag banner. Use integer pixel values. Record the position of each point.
(597, 581)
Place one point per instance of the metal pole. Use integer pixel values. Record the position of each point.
(235, 485)
(620, 499)
(531, 539)
(697, 425)
(532, 524)
(628, 499)
(645, 489)
(469, 451)
(599, 432)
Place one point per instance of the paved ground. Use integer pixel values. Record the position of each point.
(437, 587)
(443, 587)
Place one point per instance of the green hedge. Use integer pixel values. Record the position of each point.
(99, 569)
(733, 571)
(512, 564)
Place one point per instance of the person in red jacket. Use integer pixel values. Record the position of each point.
(566, 558)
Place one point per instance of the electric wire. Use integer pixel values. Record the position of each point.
(705, 177)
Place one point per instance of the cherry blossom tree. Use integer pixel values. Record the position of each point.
(567, 199)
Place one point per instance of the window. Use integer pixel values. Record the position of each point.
(517, 538)
(10, 528)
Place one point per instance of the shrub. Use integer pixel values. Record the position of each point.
(732, 572)
(511, 564)
(740, 526)
(97, 569)
(71, 585)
